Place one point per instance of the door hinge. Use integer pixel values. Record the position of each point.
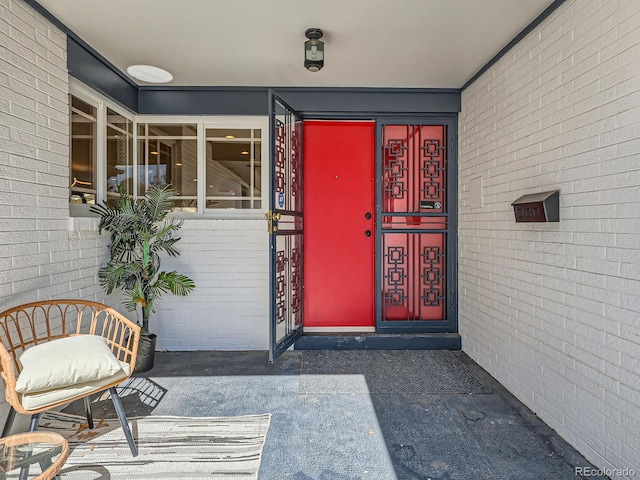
(272, 221)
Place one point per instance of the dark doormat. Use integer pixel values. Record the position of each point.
(380, 372)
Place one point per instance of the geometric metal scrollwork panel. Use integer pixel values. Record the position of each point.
(288, 163)
(395, 168)
(432, 277)
(395, 275)
(413, 276)
(432, 169)
(414, 169)
(288, 286)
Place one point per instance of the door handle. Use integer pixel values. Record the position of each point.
(367, 233)
(272, 221)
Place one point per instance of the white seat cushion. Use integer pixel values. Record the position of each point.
(37, 400)
(65, 362)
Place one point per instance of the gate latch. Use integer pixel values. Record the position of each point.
(272, 221)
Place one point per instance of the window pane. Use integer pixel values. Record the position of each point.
(118, 121)
(228, 133)
(232, 168)
(82, 179)
(166, 158)
(119, 154)
(80, 106)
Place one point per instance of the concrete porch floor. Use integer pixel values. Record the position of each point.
(348, 416)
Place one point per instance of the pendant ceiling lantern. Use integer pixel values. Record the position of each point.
(313, 50)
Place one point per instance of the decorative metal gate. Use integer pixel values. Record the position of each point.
(285, 225)
(416, 241)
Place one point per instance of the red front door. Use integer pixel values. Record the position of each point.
(339, 216)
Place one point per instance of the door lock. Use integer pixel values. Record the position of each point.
(272, 221)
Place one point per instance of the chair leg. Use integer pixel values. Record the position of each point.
(9, 422)
(87, 410)
(123, 420)
(33, 426)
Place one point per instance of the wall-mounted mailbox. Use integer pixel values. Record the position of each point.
(538, 207)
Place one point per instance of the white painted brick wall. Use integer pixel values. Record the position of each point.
(42, 254)
(229, 309)
(553, 310)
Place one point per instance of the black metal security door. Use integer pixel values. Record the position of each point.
(416, 241)
(285, 225)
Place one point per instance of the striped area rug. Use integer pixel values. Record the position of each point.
(169, 447)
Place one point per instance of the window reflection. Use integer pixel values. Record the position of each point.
(82, 181)
(233, 168)
(119, 154)
(167, 155)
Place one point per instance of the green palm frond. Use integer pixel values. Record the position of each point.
(159, 202)
(117, 274)
(140, 234)
(176, 283)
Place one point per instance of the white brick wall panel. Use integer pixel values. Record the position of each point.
(27, 39)
(629, 286)
(59, 39)
(58, 126)
(28, 286)
(631, 364)
(628, 89)
(19, 274)
(55, 112)
(588, 112)
(19, 127)
(22, 261)
(622, 225)
(25, 94)
(41, 289)
(27, 114)
(627, 394)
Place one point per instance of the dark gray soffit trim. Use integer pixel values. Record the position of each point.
(87, 68)
(254, 100)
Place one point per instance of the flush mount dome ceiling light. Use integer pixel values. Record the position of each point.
(149, 73)
(313, 50)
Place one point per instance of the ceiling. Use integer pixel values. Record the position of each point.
(368, 43)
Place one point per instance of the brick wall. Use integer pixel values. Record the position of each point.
(229, 309)
(553, 310)
(42, 254)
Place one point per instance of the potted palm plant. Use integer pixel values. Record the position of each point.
(140, 233)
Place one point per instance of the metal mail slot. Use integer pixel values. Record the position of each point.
(538, 207)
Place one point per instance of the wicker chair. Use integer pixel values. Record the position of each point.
(40, 324)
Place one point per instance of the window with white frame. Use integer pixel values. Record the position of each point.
(234, 168)
(168, 156)
(213, 163)
(119, 156)
(82, 174)
(101, 150)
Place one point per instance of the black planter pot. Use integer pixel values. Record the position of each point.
(146, 353)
